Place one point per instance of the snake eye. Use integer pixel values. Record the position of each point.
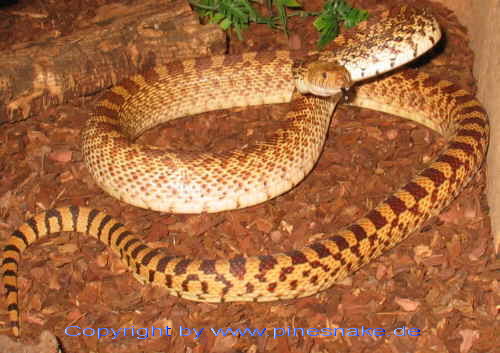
(324, 75)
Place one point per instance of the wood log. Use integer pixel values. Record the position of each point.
(119, 41)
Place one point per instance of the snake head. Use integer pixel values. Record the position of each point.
(321, 78)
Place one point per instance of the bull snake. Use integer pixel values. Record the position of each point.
(254, 174)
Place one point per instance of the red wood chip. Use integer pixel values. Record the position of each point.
(407, 304)
(61, 156)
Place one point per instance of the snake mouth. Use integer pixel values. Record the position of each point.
(326, 91)
(305, 86)
(346, 93)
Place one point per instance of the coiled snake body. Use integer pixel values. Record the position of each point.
(147, 177)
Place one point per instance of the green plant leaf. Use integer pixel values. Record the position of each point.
(291, 4)
(225, 24)
(218, 17)
(238, 14)
(334, 12)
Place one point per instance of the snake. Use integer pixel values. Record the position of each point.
(193, 182)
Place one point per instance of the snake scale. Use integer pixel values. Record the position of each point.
(207, 182)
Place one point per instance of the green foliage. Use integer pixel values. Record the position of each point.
(334, 12)
(281, 6)
(238, 14)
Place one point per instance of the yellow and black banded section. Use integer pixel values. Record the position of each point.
(73, 218)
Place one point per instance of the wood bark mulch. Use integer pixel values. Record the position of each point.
(443, 280)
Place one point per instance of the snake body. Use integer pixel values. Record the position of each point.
(210, 182)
